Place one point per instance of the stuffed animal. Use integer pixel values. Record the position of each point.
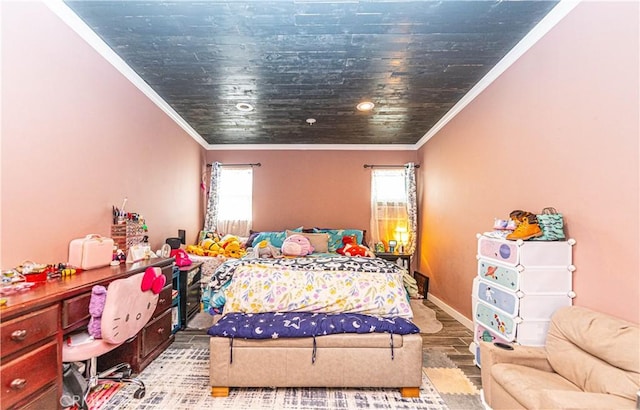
(264, 249)
(358, 250)
(296, 245)
(96, 307)
(211, 247)
(195, 250)
(233, 249)
(352, 248)
(347, 240)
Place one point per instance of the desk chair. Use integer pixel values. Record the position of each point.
(129, 305)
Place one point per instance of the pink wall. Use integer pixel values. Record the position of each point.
(559, 128)
(77, 137)
(312, 188)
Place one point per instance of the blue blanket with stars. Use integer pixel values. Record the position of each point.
(301, 324)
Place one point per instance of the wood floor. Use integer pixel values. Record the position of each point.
(453, 339)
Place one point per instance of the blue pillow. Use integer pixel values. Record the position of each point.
(275, 238)
(336, 235)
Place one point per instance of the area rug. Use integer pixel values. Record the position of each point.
(102, 393)
(457, 391)
(201, 321)
(179, 379)
(424, 317)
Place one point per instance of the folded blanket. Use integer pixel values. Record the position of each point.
(303, 324)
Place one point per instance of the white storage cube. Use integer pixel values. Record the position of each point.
(537, 280)
(532, 332)
(537, 306)
(547, 253)
(504, 275)
(526, 253)
(498, 297)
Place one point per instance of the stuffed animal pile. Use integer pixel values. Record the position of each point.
(228, 246)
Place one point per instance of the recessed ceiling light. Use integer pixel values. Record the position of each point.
(244, 107)
(311, 121)
(365, 106)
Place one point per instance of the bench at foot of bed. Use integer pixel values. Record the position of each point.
(404, 391)
(219, 391)
(340, 360)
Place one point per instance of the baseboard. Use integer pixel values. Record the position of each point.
(456, 315)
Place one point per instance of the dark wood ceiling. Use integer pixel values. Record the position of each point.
(294, 60)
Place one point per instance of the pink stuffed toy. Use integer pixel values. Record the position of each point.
(96, 307)
(296, 245)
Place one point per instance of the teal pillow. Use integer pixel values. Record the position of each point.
(336, 235)
(274, 238)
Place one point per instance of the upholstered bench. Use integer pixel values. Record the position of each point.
(339, 360)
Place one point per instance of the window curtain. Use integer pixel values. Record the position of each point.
(394, 208)
(211, 219)
(229, 207)
(412, 207)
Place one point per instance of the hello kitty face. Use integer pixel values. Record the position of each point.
(128, 308)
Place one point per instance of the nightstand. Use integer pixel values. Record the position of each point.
(401, 259)
(189, 290)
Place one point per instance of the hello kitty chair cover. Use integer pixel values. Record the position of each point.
(127, 310)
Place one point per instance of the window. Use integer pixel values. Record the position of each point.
(389, 210)
(236, 187)
(229, 203)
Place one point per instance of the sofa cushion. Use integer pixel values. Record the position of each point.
(596, 352)
(525, 383)
(556, 399)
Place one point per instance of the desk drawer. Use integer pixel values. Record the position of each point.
(28, 373)
(26, 330)
(155, 333)
(164, 299)
(75, 310)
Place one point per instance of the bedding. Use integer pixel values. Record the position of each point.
(303, 324)
(322, 283)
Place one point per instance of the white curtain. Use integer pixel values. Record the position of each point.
(229, 209)
(393, 208)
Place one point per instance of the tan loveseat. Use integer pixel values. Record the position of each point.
(590, 361)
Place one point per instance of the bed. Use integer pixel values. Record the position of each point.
(324, 320)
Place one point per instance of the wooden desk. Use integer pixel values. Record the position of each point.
(33, 325)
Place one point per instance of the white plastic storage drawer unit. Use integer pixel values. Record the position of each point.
(519, 285)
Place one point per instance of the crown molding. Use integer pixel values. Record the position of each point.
(67, 15)
(559, 12)
(312, 147)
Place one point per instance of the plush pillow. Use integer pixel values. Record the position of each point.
(275, 238)
(319, 241)
(207, 235)
(336, 235)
